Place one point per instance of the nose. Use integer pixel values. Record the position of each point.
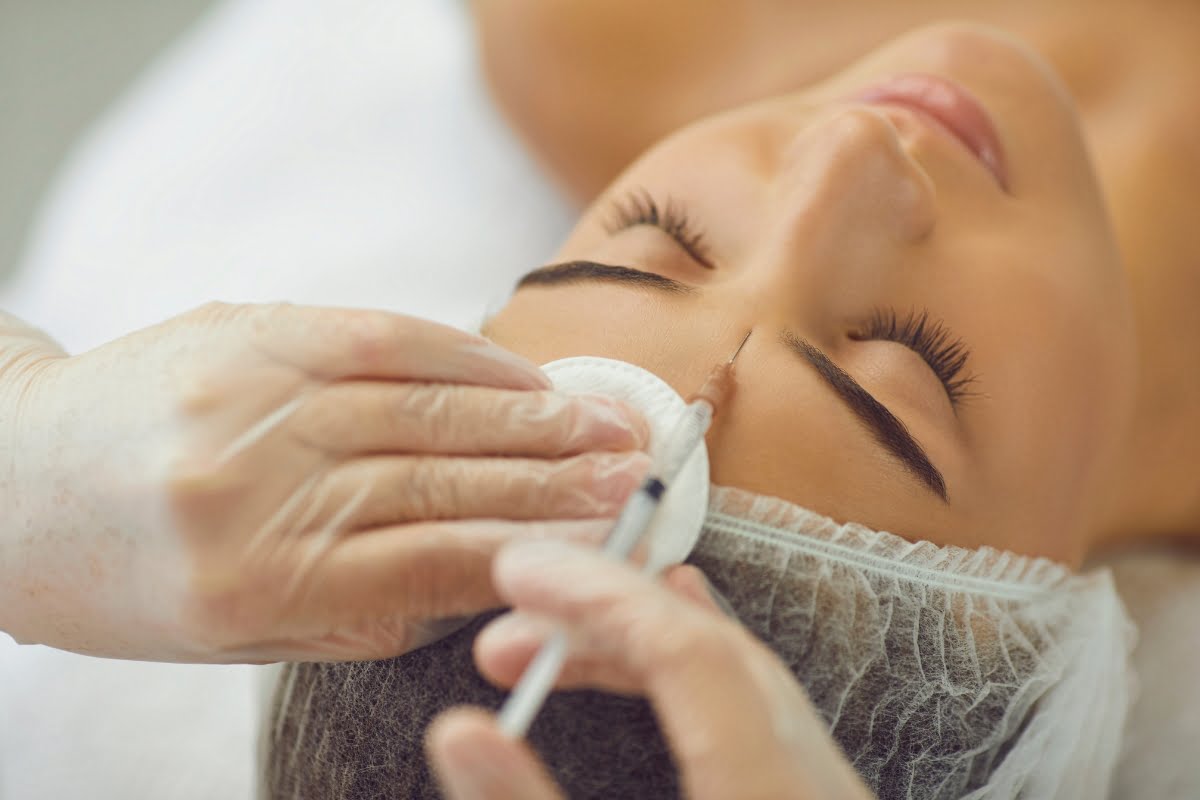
(850, 171)
(846, 208)
(852, 166)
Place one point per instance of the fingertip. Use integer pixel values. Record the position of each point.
(509, 370)
(693, 585)
(524, 558)
(610, 424)
(686, 580)
(472, 758)
(639, 427)
(454, 729)
(540, 379)
(506, 645)
(458, 744)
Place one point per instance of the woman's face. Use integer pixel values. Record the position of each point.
(834, 226)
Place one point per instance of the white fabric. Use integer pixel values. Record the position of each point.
(1162, 592)
(676, 524)
(303, 150)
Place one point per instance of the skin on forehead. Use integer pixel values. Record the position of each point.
(816, 212)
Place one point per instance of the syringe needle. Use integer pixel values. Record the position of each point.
(739, 347)
(718, 384)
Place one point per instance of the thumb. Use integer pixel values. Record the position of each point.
(475, 761)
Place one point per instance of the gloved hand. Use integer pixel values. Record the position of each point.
(738, 723)
(259, 483)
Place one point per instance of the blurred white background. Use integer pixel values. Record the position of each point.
(340, 152)
(61, 63)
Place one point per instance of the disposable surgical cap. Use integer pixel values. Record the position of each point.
(941, 672)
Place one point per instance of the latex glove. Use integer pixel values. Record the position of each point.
(258, 483)
(738, 723)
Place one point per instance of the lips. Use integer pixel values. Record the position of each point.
(949, 105)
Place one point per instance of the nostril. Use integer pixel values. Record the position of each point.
(919, 208)
(896, 189)
(850, 179)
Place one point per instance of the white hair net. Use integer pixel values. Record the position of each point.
(942, 673)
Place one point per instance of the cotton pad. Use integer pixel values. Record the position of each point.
(676, 526)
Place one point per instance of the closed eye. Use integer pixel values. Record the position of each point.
(638, 207)
(946, 354)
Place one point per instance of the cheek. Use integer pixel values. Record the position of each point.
(1056, 398)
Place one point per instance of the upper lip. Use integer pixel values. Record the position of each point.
(950, 105)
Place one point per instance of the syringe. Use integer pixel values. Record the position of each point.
(530, 693)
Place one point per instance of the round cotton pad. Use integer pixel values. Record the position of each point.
(676, 526)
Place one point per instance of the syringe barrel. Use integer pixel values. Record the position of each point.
(634, 520)
(717, 386)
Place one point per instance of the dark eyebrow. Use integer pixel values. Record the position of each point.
(576, 271)
(887, 429)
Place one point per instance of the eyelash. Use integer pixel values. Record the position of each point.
(638, 207)
(945, 354)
